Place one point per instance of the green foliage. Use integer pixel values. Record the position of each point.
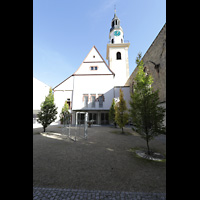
(121, 114)
(64, 112)
(146, 114)
(112, 113)
(48, 111)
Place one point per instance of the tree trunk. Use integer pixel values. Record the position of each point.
(147, 138)
(122, 131)
(44, 128)
(148, 147)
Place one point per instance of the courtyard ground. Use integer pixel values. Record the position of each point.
(105, 161)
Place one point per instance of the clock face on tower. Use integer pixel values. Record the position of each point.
(117, 33)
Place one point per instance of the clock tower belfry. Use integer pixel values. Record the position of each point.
(117, 53)
(116, 34)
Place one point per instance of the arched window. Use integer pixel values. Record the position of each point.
(118, 56)
(112, 41)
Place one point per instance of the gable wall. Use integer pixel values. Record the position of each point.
(65, 85)
(101, 68)
(102, 84)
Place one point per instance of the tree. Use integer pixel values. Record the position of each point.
(145, 111)
(121, 115)
(64, 112)
(48, 111)
(112, 113)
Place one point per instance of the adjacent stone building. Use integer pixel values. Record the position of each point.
(155, 65)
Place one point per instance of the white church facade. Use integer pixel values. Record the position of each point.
(94, 84)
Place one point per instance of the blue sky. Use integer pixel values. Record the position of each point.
(64, 31)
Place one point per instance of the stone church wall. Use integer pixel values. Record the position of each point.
(155, 63)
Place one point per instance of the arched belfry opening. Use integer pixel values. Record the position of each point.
(118, 56)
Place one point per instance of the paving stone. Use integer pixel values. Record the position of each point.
(63, 194)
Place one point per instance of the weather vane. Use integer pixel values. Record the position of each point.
(115, 8)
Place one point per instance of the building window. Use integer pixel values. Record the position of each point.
(93, 97)
(101, 100)
(112, 41)
(118, 56)
(93, 67)
(93, 56)
(85, 100)
(93, 117)
(104, 118)
(112, 23)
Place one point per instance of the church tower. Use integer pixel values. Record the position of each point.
(117, 53)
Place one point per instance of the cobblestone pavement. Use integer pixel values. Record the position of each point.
(65, 194)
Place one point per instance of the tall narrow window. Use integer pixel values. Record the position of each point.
(101, 100)
(85, 100)
(112, 41)
(93, 97)
(118, 56)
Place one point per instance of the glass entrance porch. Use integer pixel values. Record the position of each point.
(100, 118)
(104, 118)
(93, 116)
